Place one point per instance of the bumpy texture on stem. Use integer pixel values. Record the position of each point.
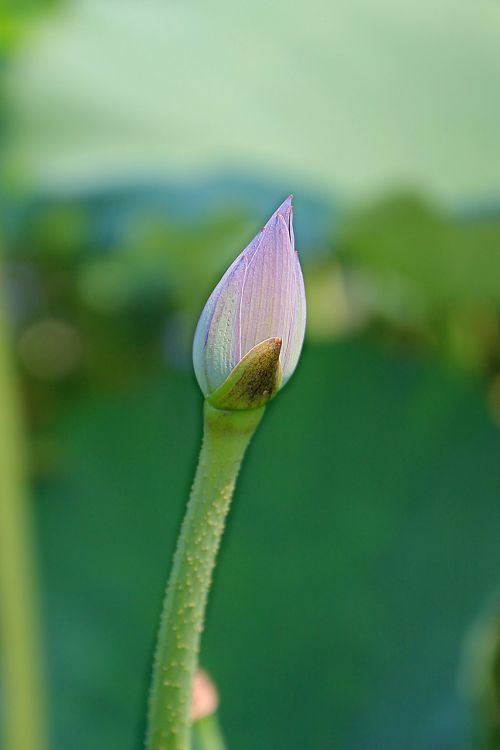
(24, 725)
(226, 436)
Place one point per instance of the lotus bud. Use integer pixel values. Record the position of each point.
(250, 333)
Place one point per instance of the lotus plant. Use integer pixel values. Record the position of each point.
(246, 347)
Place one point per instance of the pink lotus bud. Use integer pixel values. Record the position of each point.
(259, 299)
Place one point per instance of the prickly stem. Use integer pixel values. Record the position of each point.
(226, 436)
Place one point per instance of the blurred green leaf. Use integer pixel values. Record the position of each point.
(363, 536)
(379, 94)
(445, 260)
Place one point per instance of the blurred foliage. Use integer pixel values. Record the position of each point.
(16, 16)
(365, 559)
(104, 287)
(405, 267)
(481, 676)
(363, 539)
(346, 96)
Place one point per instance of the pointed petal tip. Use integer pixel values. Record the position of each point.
(286, 207)
(284, 213)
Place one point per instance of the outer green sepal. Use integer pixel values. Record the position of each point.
(254, 381)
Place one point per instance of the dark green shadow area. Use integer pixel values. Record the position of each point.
(362, 543)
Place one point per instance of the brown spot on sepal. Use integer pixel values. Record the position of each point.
(254, 381)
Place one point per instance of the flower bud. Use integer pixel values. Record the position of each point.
(250, 333)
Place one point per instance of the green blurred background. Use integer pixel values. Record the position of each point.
(141, 146)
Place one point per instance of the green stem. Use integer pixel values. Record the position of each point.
(24, 727)
(207, 734)
(226, 436)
